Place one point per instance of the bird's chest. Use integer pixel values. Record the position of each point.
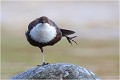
(43, 33)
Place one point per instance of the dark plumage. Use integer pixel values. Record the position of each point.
(44, 32)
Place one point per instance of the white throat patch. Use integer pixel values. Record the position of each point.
(43, 33)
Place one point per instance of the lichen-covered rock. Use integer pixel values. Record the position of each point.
(57, 71)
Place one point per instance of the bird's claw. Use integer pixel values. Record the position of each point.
(43, 64)
(71, 39)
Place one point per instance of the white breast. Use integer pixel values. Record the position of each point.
(43, 33)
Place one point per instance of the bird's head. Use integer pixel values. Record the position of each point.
(43, 20)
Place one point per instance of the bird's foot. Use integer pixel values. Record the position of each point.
(71, 39)
(43, 64)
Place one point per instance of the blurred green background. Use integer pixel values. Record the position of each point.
(95, 24)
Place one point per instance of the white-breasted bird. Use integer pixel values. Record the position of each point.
(44, 32)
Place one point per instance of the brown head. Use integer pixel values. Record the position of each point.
(43, 19)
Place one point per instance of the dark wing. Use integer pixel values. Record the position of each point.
(66, 32)
(52, 23)
(30, 26)
(33, 23)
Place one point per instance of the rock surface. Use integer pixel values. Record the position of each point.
(57, 71)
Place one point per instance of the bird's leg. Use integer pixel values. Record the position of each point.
(43, 60)
(71, 39)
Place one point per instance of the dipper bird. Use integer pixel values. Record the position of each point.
(44, 32)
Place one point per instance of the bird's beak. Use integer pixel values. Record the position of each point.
(43, 21)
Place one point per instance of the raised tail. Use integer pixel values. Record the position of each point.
(65, 33)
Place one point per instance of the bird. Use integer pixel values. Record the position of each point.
(44, 32)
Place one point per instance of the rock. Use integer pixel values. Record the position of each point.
(57, 71)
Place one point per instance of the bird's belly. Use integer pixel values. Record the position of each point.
(43, 34)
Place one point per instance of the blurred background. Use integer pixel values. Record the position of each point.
(95, 24)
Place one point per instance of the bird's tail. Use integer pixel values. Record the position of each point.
(66, 32)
